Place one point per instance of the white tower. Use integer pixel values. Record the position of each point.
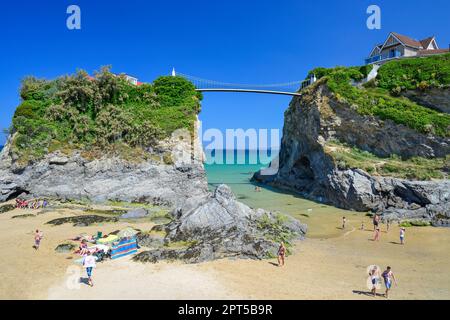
(173, 72)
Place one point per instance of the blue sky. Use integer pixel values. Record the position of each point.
(232, 41)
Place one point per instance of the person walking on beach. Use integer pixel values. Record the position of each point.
(281, 254)
(376, 236)
(374, 277)
(376, 219)
(402, 235)
(362, 225)
(388, 276)
(388, 223)
(344, 220)
(89, 263)
(38, 235)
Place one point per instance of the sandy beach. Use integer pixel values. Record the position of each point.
(320, 268)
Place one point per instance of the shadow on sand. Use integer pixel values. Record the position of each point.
(84, 281)
(367, 293)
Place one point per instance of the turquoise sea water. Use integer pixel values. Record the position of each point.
(321, 219)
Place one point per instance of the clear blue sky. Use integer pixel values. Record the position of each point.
(233, 41)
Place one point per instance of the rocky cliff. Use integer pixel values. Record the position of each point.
(111, 141)
(332, 153)
(152, 179)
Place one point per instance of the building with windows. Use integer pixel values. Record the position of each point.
(398, 46)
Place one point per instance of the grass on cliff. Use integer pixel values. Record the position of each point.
(417, 168)
(412, 74)
(101, 114)
(377, 98)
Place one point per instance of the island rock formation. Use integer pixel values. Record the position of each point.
(307, 165)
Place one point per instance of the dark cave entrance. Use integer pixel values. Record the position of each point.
(302, 169)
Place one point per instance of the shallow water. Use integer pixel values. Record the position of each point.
(323, 221)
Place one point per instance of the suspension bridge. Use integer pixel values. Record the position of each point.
(287, 88)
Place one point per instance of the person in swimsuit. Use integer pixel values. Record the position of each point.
(402, 235)
(374, 276)
(375, 221)
(344, 220)
(37, 239)
(281, 254)
(388, 276)
(377, 234)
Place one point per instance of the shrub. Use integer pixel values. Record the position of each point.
(433, 71)
(387, 106)
(100, 113)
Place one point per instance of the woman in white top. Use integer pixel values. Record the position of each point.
(374, 277)
(89, 263)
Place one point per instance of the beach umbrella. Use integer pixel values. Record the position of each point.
(127, 232)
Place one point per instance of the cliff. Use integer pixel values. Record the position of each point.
(102, 139)
(363, 148)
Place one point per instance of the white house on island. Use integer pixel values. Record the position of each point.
(399, 46)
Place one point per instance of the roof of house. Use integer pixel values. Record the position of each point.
(409, 41)
(426, 42)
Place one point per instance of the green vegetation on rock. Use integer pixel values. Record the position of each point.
(105, 113)
(418, 168)
(414, 223)
(412, 74)
(376, 98)
(275, 230)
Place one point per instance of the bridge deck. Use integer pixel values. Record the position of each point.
(251, 91)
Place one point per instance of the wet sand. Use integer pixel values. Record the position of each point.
(331, 265)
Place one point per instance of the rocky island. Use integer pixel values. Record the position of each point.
(101, 139)
(381, 145)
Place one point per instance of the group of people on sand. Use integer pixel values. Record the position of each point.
(388, 278)
(377, 229)
(89, 260)
(33, 204)
(89, 256)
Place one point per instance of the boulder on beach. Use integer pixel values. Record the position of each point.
(6, 208)
(219, 226)
(65, 248)
(82, 221)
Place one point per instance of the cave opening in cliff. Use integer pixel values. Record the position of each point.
(302, 169)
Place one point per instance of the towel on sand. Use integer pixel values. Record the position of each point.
(109, 239)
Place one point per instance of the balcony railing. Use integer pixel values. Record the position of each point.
(385, 56)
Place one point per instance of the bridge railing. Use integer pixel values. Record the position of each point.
(288, 87)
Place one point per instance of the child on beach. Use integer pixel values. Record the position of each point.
(344, 220)
(388, 276)
(37, 239)
(89, 263)
(281, 254)
(402, 235)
